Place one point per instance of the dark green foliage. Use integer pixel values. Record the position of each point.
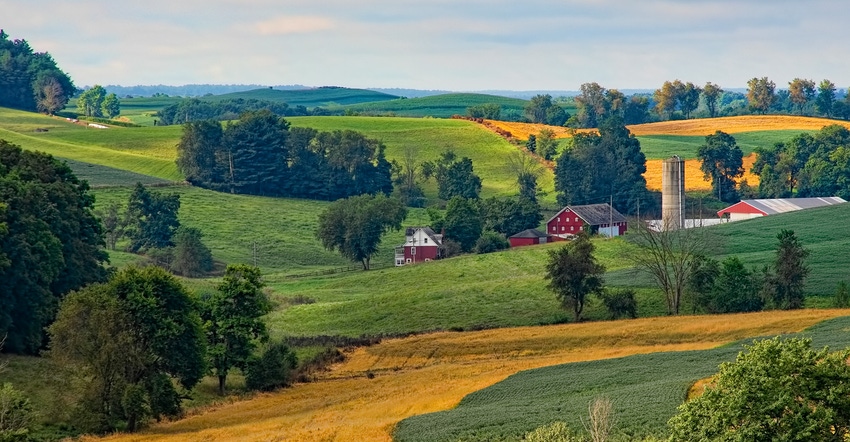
(24, 75)
(547, 146)
(52, 243)
(271, 370)
(531, 144)
(825, 100)
(510, 216)
(191, 257)
(490, 242)
(598, 166)
(540, 109)
(722, 161)
(260, 155)
(462, 222)
(90, 102)
(354, 225)
(574, 273)
(154, 218)
(115, 224)
(760, 94)
(124, 341)
(454, 176)
(232, 320)
(16, 415)
(620, 303)
(726, 287)
(790, 272)
(842, 296)
(193, 109)
(490, 111)
(777, 390)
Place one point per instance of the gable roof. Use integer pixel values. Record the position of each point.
(783, 205)
(435, 237)
(594, 214)
(530, 233)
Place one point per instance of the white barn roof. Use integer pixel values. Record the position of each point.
(783, 205)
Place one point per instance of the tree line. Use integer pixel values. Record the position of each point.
(194, 109)
(260, 154)
(31, 80)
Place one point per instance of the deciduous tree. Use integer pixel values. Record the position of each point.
(760, 94)
(722, 161)
(826, 98)
(711, 92)
(801, 91)
(689, 98)
(574, 273)
(155, 218)
(455, 177)
(91, 101)
(463, 222)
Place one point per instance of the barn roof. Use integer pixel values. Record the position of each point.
(782, 205)
(530, 233)
(594, 214)
(436, 237)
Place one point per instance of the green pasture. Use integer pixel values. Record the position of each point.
(440, 106)
(644, 389)
(430, 136)
(323, 96)
(664, 146)
(142, 110)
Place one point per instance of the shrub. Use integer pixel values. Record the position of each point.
(191, 257)
(620, 303)
(490, 241)
(554, 432)
(16, 414)
(842, 296)
(272, 370)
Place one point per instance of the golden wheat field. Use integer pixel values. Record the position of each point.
(432, 372)
(694, 178)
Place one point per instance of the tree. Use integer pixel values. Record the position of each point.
(540, 109)
(454, 177)
(531, 144)
(826, 98)
(842, 295)
(777, 389)
(115, 224)
(16, 414)
(547, 147)
(722, 161)
(111, 107)
(255, 153)
(669, 257)
(574, 273)
(490, 111)
(50, 243)
(155, 218)
(405, 179)
(49, 94)
(354, 226)
(760, 94)
(800, 92)
(490, 242)
(726, 287)
(527, 170)
(191, 257)
(125, 340)
(667, 98)
(791, 271)
(232, 320)
(198, 153)
(636, 110)
(689, 98)
(272, 369)
(463, 222)
(591, 104)
(91, 101)
(510, 216)
(711, 92)
(31, 80)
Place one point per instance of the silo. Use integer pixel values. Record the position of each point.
(673, 193)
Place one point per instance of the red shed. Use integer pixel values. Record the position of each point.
(421, 244)
(528, 237)
(599, 219)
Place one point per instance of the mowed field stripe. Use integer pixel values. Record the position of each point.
(433, 372)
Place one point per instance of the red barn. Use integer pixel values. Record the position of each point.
(599, 219)
(421, 244)
(746, 209)
(528, 237)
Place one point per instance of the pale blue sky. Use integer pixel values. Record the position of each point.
(438, 44)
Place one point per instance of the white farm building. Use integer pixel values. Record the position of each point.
(746, 209)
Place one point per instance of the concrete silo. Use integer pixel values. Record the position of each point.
(673, 193)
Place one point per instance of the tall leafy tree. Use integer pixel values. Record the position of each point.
(31, 80)
(455, 177)
(192, 258)
(825, 100)
(354, 226)
(510, 216)
(591, 103)
(574, 273)
(667, 98)
(541, 109)
(711, 93)
(51, 246)
(155, 216)
(111, 106)
(90, 102)
(722, 161)
(800, 92)
(125, 341)
(761, 94)
(689, 98)
(462, 222)
(791, 271)
(636, 110)
(233, 320)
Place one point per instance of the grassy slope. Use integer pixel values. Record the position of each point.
(686, 146)
(325, 97)
(441, 106)
(645, 391)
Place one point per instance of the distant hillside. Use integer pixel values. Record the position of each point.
(440, 106)
(323, 96)
(190, 90)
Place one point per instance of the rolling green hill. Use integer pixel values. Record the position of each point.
(664, 146)
(439, 106)
(323, 96)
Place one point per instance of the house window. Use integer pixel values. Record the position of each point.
(413, 250)
(562, 228)
(576, 219)
(559, 219)
(572, 228)
(425, 240)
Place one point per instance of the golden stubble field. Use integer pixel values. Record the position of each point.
(432, 372)
(694, 180)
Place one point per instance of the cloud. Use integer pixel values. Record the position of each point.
(293, 25)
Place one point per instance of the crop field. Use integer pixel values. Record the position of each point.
(694, 178)
(323, 96)
(439, 106)
(734, 125)
(433, 372)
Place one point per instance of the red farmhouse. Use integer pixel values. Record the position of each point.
(421, 244)
(599, 219)
(528, 237)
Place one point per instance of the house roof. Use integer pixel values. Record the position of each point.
(435, 237)
(594, 214)
(530, 233)
(782, 205)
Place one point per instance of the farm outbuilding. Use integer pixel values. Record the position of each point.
(421, 244)
(599, 219)
(529, 237)
(747, 209)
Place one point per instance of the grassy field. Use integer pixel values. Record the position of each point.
(332, 97)
(439, 106)
(142, 110)
(428, 373)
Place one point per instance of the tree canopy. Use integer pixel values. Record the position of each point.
(31, 80)
(722, 161)
(155, 218)
(52, 243)
(574, 273)
(455, 177)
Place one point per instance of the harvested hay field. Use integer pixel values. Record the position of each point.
(732, 125)
(694, 178)
(364, 397)
(523, 130)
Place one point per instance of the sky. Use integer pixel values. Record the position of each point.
(469, 45)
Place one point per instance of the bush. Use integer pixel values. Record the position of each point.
(272, 370)
(490, 241)
(842, 296)
(451, 248)
(16, 414)
(554, 432)
(620, 303)
(191, 257)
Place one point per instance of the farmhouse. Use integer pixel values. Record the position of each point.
(421, 244)
(746, 209)
(529, 237)
(599, 219)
